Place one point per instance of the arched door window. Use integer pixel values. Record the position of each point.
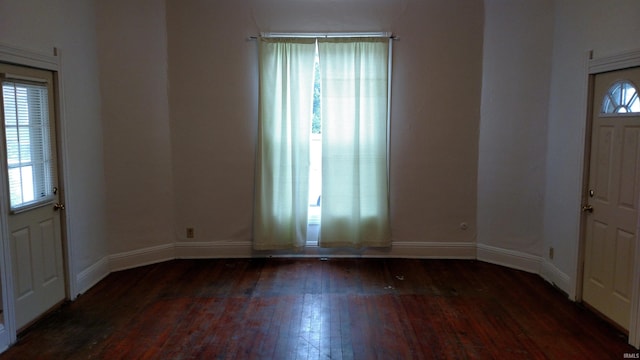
(621, 98)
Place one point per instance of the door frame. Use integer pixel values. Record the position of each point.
(50, 62)
(596, 66)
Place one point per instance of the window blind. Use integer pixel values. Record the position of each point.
(30, 164)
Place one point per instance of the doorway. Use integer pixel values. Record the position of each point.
(613, 196)
(31, 191)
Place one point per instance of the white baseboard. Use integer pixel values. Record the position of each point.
(509, 258)
(5, 338)
(243, 249)
(141, 257)
(552, 274)
(90, 276)
(213, 249)
(433, 250)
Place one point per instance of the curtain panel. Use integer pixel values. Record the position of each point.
(284, 123)
(354, 102)
(354, 115)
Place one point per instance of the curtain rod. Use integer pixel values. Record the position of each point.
(324, 35)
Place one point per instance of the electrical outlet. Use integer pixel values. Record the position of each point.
(190, 233)
(551, 252)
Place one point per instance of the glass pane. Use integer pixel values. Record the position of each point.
(27, 184)
(9, 97)
(621, 98)
(31, 169)
(315, 148)
(21, 185)
(13, 149)
(22, 106)
(634, 105)
(24, 138)
(15, 186)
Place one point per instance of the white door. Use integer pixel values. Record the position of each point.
(29, 170)
(614, 192)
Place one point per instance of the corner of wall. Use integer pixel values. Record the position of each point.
(509, 258)
(557, 278)
(90, 276)
(141, 257)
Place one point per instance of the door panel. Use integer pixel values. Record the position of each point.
(37, 257)
(624, 256)
(49, 241)
(596, 271)
(30, 165)
(614, 178)
(629, 175)
(21, 241)
(604, 162)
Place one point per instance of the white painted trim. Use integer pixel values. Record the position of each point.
(243, 249)
(615, 62)
(5, 338)
(141, 257)
(577, 257)
(63, 176)
(8, 333)
(555, 276)
(398, 249)
(433, 250)
(26, 57)
(90, 276)
(509, 258)
(214, 249)
(634, 322)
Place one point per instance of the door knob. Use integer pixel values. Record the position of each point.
(587, 208)
(58, 206)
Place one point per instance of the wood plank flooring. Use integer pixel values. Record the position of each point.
(313, 309)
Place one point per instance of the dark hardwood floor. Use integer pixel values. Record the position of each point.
(313, 309)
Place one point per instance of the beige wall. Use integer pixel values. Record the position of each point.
(132, 47)
(518, 46)
(435, 108)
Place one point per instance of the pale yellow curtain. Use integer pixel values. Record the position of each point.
(354, 102)
(282, 164)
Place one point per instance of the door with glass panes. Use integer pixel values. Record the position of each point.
(613, 197)
(31, 191)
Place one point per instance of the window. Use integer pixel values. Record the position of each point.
(315, 149)
(28, 140)
(352, 97)
(621, 98)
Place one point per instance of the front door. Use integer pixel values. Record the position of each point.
(31, 191)
(613, 195)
